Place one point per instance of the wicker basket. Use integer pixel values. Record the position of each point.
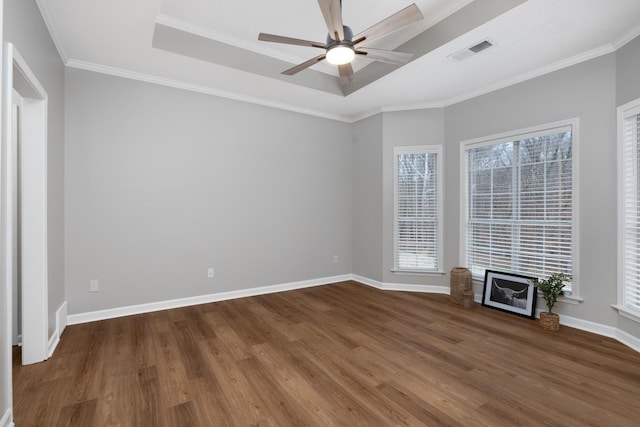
(550, 322)
(467, 299)
(460, 283)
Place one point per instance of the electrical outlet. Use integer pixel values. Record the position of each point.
(94, 285)
(211, 273)
(335, 259)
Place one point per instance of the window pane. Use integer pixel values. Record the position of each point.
(521, 206)
(631, 213)
(417, 210)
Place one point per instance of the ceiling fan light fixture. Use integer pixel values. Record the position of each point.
(340, 55)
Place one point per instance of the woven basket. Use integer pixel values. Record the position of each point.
(460, 283)
(550, 322)
(467, 299)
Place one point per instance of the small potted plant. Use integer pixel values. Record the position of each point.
(551, 289)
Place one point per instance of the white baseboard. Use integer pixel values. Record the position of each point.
(63, 320)
(429, 289)
(573, 322)
(586, 325)
(61, 324)
(7, 419)
(628, 340)
(74, 319)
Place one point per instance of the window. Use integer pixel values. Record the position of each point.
(518, 211)
(418, 208)
(629, 208)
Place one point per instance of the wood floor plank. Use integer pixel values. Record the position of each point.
(337, 355)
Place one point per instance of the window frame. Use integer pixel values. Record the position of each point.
(623, 112)
(572, 297)
(420, 149)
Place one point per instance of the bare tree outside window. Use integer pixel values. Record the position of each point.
(520, 205)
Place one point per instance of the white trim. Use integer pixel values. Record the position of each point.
(148, 78)
(61, 318)
(61, 324)
(585, 325)
(567, 299)
(366, 281)
(629, 314)
(421, 149)
(623, 112)
(573, 322)
(55, 36)
(7, 419)
(74, 319)
(628, 339)
(417, 272)
(626, 38)
(565, 63)
(6, 369)
(53, 342)
(34, 202)
(465, 145)
(428, 289)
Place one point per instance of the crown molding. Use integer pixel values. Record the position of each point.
(148, 78)
(565, 63)
(626, 37)
(55, 36)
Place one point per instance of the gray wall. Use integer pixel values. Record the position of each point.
(627, 69)
(419, 127)
(24, 27)
(367, 198)
(627, 90)
(6, 403)
(162, 184)
(586, 91)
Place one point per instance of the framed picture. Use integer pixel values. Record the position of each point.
(508, 292)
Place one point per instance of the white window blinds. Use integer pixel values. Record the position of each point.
(418, 208)
(630, 211)
(520, 204)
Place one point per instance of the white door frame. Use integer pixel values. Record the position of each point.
(35, 305)
(16, 317)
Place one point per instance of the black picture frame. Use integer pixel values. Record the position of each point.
(512, 293)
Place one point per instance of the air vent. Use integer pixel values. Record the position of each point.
(485, 44)
(471, 50)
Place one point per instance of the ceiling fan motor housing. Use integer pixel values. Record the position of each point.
(348, 36)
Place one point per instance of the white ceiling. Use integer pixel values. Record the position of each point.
(538, 36)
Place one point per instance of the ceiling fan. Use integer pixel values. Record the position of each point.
(342, 46)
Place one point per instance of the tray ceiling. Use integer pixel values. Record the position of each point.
(212, 47)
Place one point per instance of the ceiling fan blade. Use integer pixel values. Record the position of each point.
(289, 40)
(407, 16)
(388, 56)
(293, 70)
(332, 13)
(346, 73)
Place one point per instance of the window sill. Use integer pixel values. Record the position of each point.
(417, 273)
(629, 314)
(570, 299)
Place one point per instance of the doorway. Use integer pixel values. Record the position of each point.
(24, 205)
(16, 287)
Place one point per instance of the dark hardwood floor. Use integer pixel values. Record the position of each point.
(342, 354)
